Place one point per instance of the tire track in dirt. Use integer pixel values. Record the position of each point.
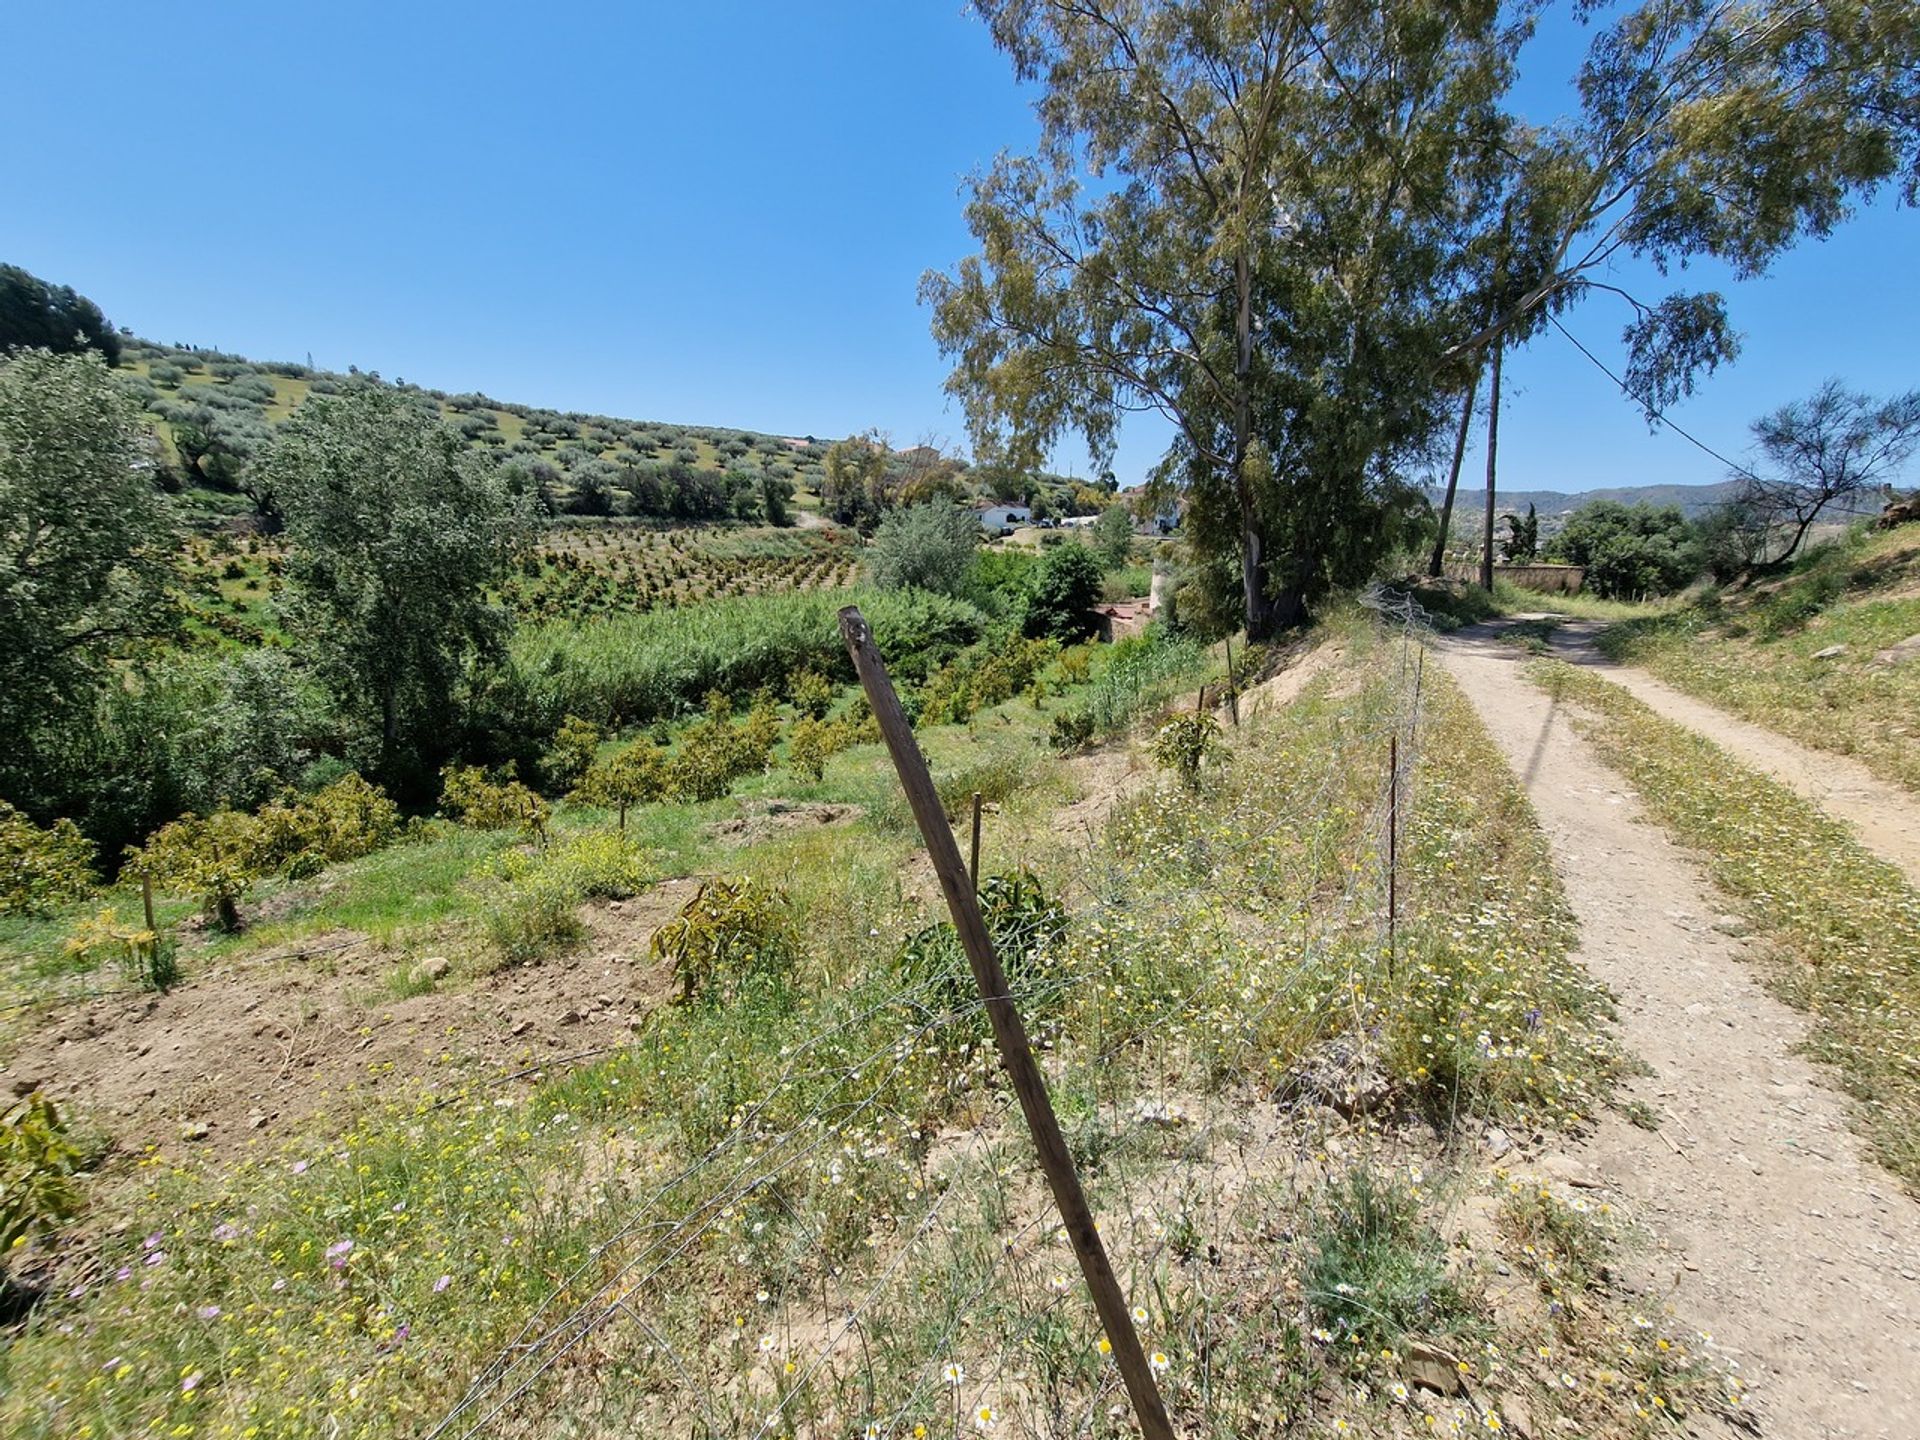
(1768, 1228)
(1885, 816)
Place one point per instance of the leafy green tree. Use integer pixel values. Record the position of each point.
(853, 484)
(87, 546)
(1523, 536)
(1629, 551)
(1835, 446)
(1276, 260)
(38, 316)
(1064, 594)
(397, 533)
(1113, 536)
(929, 547)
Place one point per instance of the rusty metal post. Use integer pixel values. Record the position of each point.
(1009, 1031)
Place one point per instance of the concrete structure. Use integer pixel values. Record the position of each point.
(995, 518)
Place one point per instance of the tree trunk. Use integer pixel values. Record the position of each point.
(1252, 567)
(1453, 476)
(1493, 452)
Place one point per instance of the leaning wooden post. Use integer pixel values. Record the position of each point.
(1009, 1032)
(146, 903)
(973, 862)
(1233, 691)
(1393, 847)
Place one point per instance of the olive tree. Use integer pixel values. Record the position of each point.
(87, 545)
(929, 546)
(396, 536)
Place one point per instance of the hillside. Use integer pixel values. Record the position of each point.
(213, 412)
(1809, 654)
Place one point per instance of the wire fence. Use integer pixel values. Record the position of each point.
(1209, 1031)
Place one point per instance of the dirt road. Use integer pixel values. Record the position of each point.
(1769, 1229)
(1886, 816)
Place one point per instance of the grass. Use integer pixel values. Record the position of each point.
(717, 1198)
(1843, 928)
(1752, 652)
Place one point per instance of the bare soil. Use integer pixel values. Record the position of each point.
(252, 1049)
(1767, 1227)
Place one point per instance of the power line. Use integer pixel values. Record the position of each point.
(1650, 412)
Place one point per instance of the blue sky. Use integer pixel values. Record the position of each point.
(712, 213)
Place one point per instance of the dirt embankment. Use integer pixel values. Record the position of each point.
(251, 1049)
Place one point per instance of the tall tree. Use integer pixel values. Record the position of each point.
(87, 543)
(40, 316)
(1837, 445)
(1250, 218)
(1723, 128)
(396, 535)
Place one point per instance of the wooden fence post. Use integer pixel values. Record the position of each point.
(1393, 847)
(1233, 690)
(973, 864)
(1009, 1031)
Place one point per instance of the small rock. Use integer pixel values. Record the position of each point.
(572, 1017)
(1832, 652)
(1899, 654)
(1428, 1367)
(521, 1028)
(434, 967)
(194, 1130)
(256, 1120)
(1162, 1114)
(25, 1084)
(1734, 925)
(1497, 1141)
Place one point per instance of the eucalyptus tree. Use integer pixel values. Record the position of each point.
(1294, 226)
(396, 536)
(1255, 219)
(1730, 129)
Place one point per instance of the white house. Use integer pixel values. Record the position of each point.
(995, 518)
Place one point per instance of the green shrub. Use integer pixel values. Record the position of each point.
(572, 753)
(467, 795)
(298, 835)
(1184, 744)
(1064, 594)
(812, 693)
(735, 934)
(37, 1165)
(213, 859)
(1070, 730)
(1027, 928)
(981, 676)
(927, 547)
(1377, 1271)
(41, 868)
(633, 776)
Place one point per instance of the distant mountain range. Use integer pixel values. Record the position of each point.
(1552, 504)
(1555, 505)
